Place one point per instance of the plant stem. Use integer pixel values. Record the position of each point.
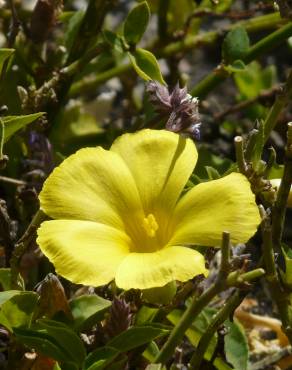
(90, 84)
(22, 245)
(272, 238)
(208, 83)
(268, 42)
(271, 359)
(2, 137)
(90, 28)
(162, 19)
(238, 141)
(220, 74)
(251, 25)
(185, 322)
(197, 304)
(277, 107)
(12, 181)
(236, 279)
(251, 142)
(279, 208)
(269, 21)
(278, 294)
(222, 315)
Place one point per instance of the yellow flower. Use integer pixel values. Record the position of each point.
(118, 213)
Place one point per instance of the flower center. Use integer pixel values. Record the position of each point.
(150, 225)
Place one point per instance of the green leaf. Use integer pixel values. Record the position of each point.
(154, 367)
(4, 55)
(235, 45)
(254, 79)
(100, 358)
(151, 352)
(146, 65)
(145, 315)
(42, 343)
(213, 174)
(160, 295)
(87, 310)
(237, 66)
(236, 346)
(195, 332)
(206, 158)
(13, 124)
(53, 339)
(178, 12)
(5, 296)
(136, 336)
(18, 310)
(114, 40)
(73, 28)
(136, 23)
(5, 279)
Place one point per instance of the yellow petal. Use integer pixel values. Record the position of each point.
(84, 252)
(93, 184)
(150, 270)
(210, 208)
(161, 163)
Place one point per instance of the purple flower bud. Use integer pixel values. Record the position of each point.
(179, 108)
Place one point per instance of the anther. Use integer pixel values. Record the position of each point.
(150, 225)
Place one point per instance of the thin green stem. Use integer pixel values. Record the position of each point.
(280, 297)
(260, 23)
(277, 108)
(185, 322)
(234, 279)
(263, 22)
(2, 137)
(225, 254)
(162, 19)
(208, 83)
(197, 304)
(279, 208)
(268, 42)
(90, 28)
(238, 141)
(23, 244)
(211, 81)
(91, 84)
(251, 143)
(222, 315)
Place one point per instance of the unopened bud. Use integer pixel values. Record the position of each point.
(43, 19)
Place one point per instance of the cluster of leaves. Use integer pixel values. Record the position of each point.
(73, 76)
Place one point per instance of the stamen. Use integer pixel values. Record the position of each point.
(150, 225)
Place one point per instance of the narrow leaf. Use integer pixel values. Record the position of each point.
(87, 310)
(146, 65)
(4, 55)
(99, 358)
(136, 23)
(135, 337)
(13, 124)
